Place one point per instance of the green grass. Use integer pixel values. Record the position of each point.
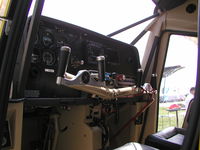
(168, 119)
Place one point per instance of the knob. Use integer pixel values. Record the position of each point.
(64, 57)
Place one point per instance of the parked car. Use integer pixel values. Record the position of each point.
(171, 97)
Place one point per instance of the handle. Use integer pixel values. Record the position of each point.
(154, 81)
(101, 68)
(139, 77)
(65, 52)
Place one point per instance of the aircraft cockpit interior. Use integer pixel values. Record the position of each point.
(75, 70)
(72, 88)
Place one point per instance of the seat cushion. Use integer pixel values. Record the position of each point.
(168, 139)
(135, 146)
(177, 139)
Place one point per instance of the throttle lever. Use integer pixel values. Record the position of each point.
(64, 57)
(101, 68)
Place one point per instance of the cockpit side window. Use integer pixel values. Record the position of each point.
(179, 76)
(4, 6)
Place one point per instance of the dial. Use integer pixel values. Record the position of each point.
(47, 39)
(48, 58)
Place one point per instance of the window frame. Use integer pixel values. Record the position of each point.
(170, 32)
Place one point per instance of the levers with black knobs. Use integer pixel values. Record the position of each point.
(95, 83)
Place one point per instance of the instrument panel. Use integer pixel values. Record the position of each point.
(86, 45)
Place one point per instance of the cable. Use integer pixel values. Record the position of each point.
(133, 118)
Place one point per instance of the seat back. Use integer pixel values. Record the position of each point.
(187, 115)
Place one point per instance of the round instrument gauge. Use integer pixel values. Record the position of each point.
(48, 58)
(47, 39)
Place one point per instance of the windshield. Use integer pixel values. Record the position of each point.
(102, 16)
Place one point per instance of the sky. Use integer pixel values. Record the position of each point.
(182, 51)
(103, 16)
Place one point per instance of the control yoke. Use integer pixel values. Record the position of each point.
(83, 77)
(94, 83)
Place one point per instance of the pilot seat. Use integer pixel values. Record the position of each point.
(170, 138)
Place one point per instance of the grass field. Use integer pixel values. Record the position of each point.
(167, 119)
